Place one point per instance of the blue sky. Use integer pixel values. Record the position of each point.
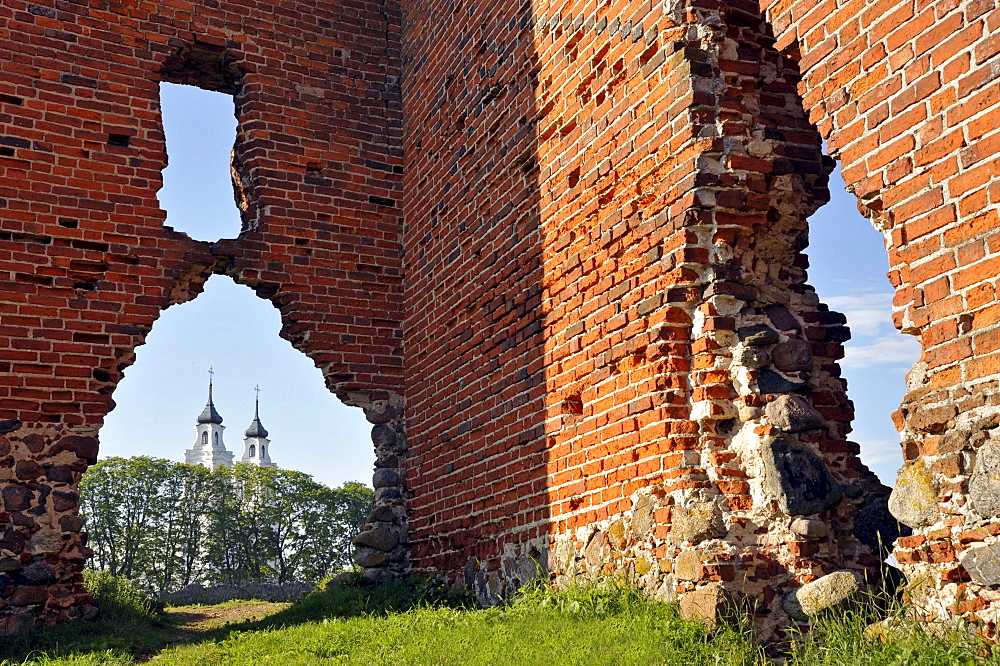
(229, 328)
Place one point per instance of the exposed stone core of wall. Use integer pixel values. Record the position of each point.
(86, 263)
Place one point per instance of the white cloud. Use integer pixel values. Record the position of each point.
(868, 314)
(882, 456)
(877, 452)
(893, 349)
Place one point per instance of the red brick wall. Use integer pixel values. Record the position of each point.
(596, 200)
(475, 348)
(86, 263)
(906, 95)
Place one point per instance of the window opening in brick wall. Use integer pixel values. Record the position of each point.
(234, 332)
(847, 267)
(197, 193)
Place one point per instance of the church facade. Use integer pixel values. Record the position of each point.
(210, 450)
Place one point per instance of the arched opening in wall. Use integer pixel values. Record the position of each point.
(847, 267)
(235, 333)
(228, 516)
(200, 129)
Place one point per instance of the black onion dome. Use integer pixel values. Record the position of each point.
(256, 428)
(209, 415)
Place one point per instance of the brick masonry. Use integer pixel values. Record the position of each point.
(570, 235)
(86, 263)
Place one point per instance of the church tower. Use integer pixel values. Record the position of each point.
(209, 449)
(256, 444)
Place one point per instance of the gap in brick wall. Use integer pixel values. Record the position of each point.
(233, 331)
(847, 266)
(197, 193)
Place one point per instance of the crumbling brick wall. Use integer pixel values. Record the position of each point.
(906, 95)
(86, 263)
(605, 217)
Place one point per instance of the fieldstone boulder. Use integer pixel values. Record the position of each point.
(27, 596)
(12, 540)
(792, 413)
(61, 473)
(45, 541)
(833, 591)
(770, 382)
(751, 357)
(386, 477)
(984, 486)
(983, 564)
(28, 470)
(368, 558)
(877, 528)
(16, 498)
(84, 447)
(704, 605)
(596, 547)
(809, 528)
(381, 514)
(759, 334)
(9, 425)
(39, 572)
(72, 523)
(9, 564)
(643, 513)
(383, 538)
(792, 356)
(781, 317)
(696, 523)
(797, 478)
(383, 435)
(687, 565)
(914, 500)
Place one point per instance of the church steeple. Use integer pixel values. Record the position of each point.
(209, 449)
(256, 428)
(256, 444)
(209, 414)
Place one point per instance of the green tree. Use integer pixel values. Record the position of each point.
(165, 524)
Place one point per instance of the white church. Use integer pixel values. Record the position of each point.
(209, 449)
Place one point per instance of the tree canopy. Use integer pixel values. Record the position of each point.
(164, 524)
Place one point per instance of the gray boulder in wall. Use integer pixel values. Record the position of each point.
(832, 591)
(984, 486)
(798, 478)
(793, 413)
(914, 500)
(983, 564)
(793, 355)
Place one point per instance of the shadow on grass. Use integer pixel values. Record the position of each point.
(131, 631)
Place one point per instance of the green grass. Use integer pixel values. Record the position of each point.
(130, 624)
(417, 621)
(587, 626)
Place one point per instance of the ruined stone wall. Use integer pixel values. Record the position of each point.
(906, 94)
(86, 263)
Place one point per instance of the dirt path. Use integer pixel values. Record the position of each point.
(193, 622)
